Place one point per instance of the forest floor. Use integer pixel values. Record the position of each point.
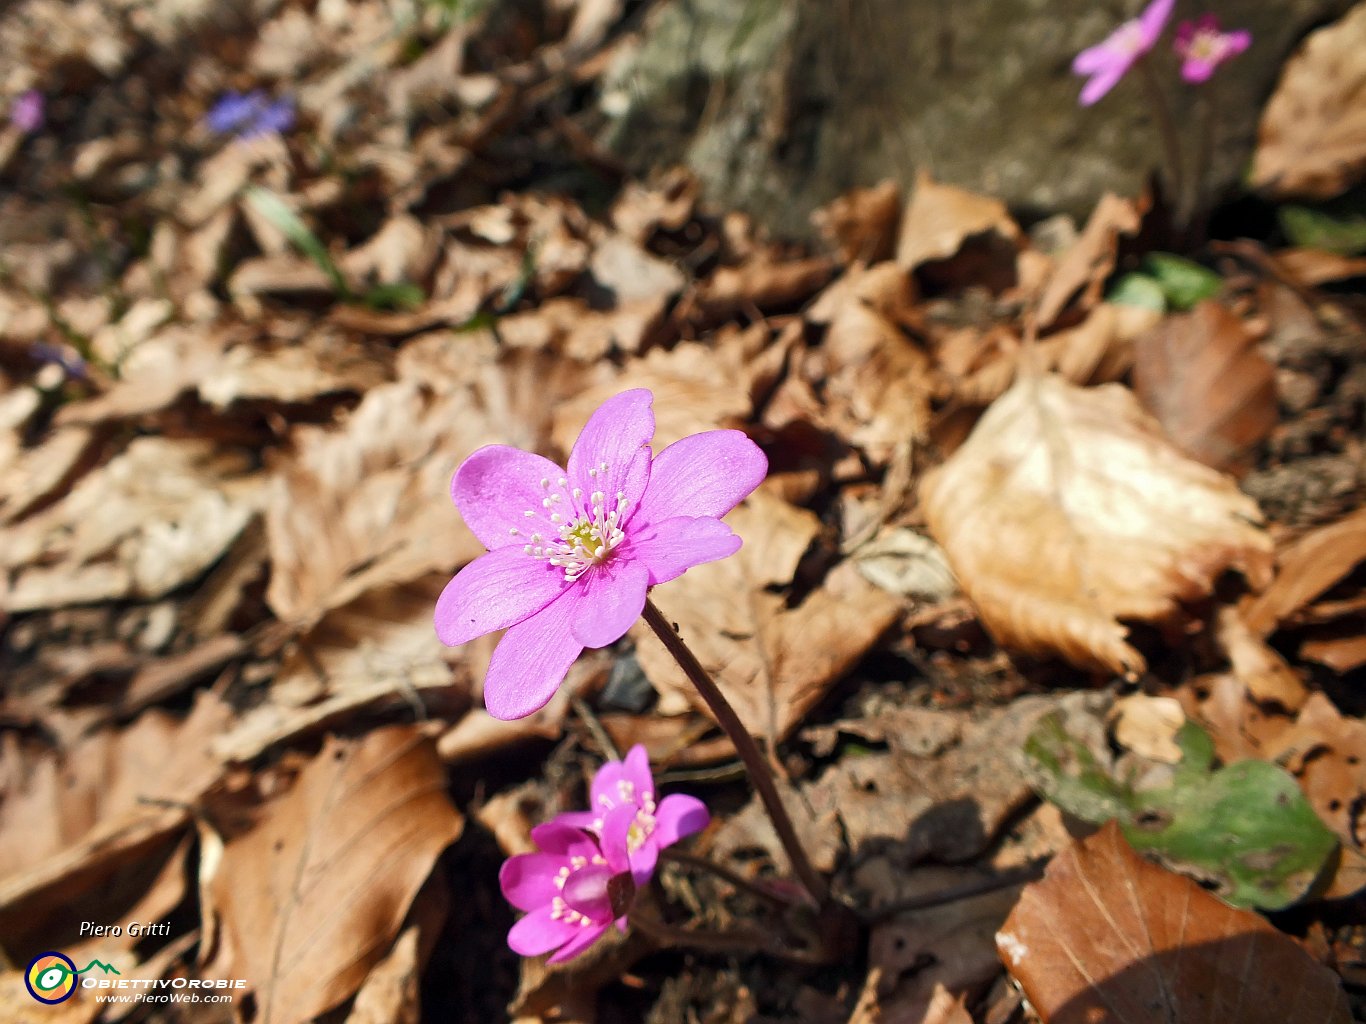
(1059, 530)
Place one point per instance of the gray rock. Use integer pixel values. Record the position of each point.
(780, 105)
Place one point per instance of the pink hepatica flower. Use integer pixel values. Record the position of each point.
(1202, 47)
(572, 890)
(1110, 60)
(626, 815)
(572, 551)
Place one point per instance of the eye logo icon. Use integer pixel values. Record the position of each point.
(51, 978)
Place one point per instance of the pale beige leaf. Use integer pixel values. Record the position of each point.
(1312, 139)
(151, 520)
(311, 898)
(1066, 510)
(1107, 936)
(1148, 726)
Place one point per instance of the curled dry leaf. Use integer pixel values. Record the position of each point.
(1090, 259)
(1203, 377)
(304, 912)
(940, 218)
(1066, 510)
(1267, 676)
(862, 223)
(1106, 936)
(1312, 139)
(1148, 726)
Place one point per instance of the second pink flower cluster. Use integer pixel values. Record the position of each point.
(589, 864)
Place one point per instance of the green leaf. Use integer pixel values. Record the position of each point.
(1184, 282)
(401, 295)
(1247, 827)
(1138, 290)
(274, 209)
(1338, 230)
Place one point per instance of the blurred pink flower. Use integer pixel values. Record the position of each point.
(573, 551)
(1110, 60)
(26, 112)
(572, 891)
(627, 817)
(1202, 47)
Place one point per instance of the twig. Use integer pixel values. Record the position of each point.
(721, 871)
(978, 887)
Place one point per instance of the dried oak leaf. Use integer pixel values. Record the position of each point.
(1107, 936)
(153, 519)
(1066, 510)
(305, 908)
(773, 662)
(1203, 377)
(1312, 139)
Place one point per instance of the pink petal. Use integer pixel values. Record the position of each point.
(585, 890)
(1196, 70)
(530, 662)
(1153, 18)
(670, 548)
(706, 474)
(679, 815)
(539, 933)
(606, 791)
(617, 434)
(616, 831)
(528, 880)
(1101, 83)
(496, 590)
(1236, 42)
(583, 820)
(585, 936)
(1094, 58)
(609, 598)
(496, 486)
(561, 837)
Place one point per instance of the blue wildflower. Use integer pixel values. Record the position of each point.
(250, 115)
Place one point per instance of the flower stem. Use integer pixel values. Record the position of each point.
(1171, 140)
(745, 746)
(721, 871)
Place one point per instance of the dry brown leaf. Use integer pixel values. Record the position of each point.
(76, 832)
(1066, 510)
(877, 383)
(940, 218)
(1340, 653)
(632, 274)
(1315, 267)
(1107, 936)
(758, 283)
(862, 223)
(321, 363)
(1325, 752)
(154, 518)
(696, 388)
(1265, 673)
(931, 959)
(1090, 259)
(774, 663)
(305, 914)
(1307, 568)
(28, 476)
(381, 484)
(1312, 139)
(1202, 376)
